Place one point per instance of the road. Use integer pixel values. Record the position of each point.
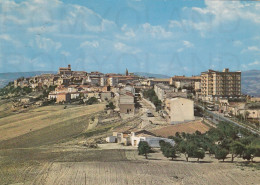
(157, 119)
(218, 117)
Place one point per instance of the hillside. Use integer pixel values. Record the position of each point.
(5, 78)
(251, 82)
(147, 75)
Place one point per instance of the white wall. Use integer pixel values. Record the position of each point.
(181, 110)
(152, 141)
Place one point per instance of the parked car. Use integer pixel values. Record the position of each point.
(149, 114)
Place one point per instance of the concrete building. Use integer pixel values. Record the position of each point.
(63, 97)
(106, 96)
(103, 81)
(215, 84)
(112, 81)
(65, 70)
(149, 137)
(165, 91)
(183, 81)
(52, 95)
(74, 95)
(126, 103)
(179, 110)
(154, 81)
(111, 139)
(122, 136)
(255, 99)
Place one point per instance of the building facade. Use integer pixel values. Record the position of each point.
(65, 70)
(215, 84)
(180, 110)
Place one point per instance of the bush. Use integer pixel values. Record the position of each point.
(221, 153)
(167, 149)
(91, 101)
(150, 94)
(143, 148)
(111, 106)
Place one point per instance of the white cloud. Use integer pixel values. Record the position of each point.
(156, 31)
(5, 37)
(47, 44)
(173, 24)
(180, 50)
(93, 44)
(187, 44)
(254, 63)
(218, 12)
(126, 49)
(237, 43)
(251, 48)
(65, 53)
(8, 38)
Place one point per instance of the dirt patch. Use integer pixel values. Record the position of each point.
(190, 127)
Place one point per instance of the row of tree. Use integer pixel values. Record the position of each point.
(10, 89)
(150, 95)
(221, 141)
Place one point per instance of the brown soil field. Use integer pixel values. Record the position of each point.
(126, 167)
(41, 147)
(189, 127)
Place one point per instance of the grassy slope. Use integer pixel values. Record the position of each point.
(45, 125)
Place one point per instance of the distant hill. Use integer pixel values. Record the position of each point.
(251, 82)
(147, 75)
(5, 78)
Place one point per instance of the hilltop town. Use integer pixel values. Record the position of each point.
(219, 90)
(73, 115)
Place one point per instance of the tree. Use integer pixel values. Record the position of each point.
(199, 154)
(167, 149)
(249, 153)
(187, 148)
(143, 148)
(198, 132)
(111, 106)
(236, 148)
(177, 134)
(91, 101)
(221, 153)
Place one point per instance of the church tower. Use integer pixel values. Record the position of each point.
(126, 72)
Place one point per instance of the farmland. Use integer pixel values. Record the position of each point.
(44, 125)
(43, 146)
(126, 167)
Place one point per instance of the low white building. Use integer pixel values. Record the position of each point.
(149, 137)
(180, 110)
(74, 95)
(52, 96)
(111, 139)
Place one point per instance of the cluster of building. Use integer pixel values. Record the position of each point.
(240, 108)
(209, 86)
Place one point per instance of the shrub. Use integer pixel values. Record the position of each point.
(143, 148)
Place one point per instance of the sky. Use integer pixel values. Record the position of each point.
(171, 37)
